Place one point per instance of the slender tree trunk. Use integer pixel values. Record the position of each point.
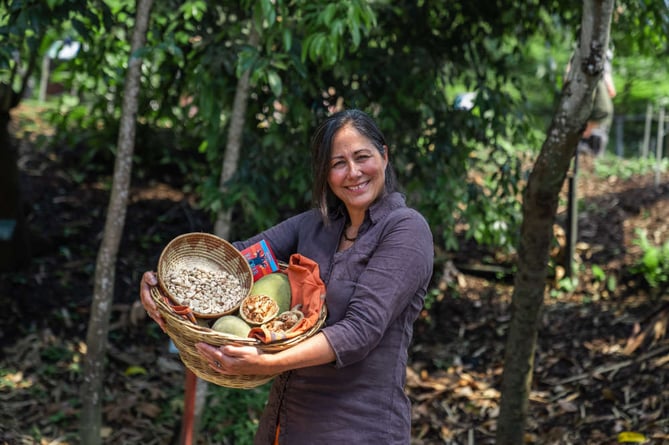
(234, 143)
(98, 326)
(195, 388)
(539, 207)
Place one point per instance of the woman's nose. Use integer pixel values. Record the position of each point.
(353, 169)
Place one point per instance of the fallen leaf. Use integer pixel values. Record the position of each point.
(631, 437)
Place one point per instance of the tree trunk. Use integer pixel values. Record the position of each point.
(98, 326)
(539, 207)
(234, 142)
(196, 389)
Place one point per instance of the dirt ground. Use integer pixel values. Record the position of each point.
(594, 379)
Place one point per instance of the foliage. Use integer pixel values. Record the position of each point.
(599, 275)
(639, 42)
(177, 118)
(624, 168)
(404, 62)
(654, 264)
(641, 28)
(232, 415)
(635, 92)
(28, 28)
(565, 286)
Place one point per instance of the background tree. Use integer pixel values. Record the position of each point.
(105, 266)
(539, 208)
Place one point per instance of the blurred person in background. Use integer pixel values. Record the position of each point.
(596, 135)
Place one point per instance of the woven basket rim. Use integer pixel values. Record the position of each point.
(221, 338)
(243, 263)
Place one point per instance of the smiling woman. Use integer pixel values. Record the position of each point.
(375, 256)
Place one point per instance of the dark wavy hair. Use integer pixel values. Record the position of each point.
(321, 146)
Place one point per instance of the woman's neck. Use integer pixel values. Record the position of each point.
(355, 219)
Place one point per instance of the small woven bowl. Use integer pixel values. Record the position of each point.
(207, 252)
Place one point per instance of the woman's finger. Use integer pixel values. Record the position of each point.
(212, 354)
(149, 280)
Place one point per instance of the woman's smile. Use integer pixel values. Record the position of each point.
(359, 187)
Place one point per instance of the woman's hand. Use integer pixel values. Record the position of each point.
(234, 360)
(149, 280)
(249, 360)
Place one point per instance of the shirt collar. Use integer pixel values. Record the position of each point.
(386, 204)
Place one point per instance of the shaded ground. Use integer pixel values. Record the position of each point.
(588, 387)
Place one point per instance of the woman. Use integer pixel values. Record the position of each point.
(346, 383)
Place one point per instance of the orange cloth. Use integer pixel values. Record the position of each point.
(276, 438)
(307, 289)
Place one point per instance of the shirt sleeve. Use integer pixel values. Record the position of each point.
(394, 280)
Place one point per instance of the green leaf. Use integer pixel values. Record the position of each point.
(287, 39)
(611, 283)
(651, 258)
(135, 370)
(274, 83)
(328, 14)
(598, 273)
(355, 34)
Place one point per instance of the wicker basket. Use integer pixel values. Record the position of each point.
(185, 334)
(208, 252)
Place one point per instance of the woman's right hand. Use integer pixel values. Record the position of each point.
(149, 280)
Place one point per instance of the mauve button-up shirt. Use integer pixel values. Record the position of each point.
(375, 291)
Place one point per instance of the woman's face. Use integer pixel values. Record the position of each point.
(357, 170)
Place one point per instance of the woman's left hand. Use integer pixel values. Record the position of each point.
(149, 281)
(233, 360)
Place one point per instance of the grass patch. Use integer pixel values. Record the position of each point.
(624, 168)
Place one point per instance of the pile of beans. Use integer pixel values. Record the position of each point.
(205, 291)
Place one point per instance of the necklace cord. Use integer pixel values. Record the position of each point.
(346, 235)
